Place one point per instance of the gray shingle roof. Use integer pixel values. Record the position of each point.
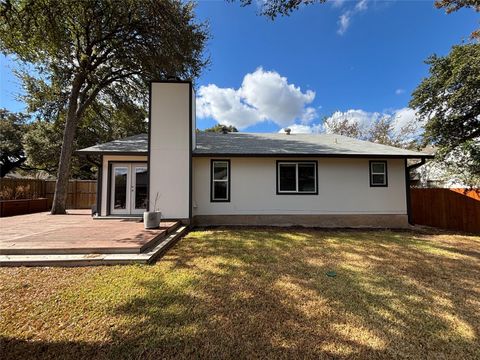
(264, 144)
(269, 144)
(137, 144)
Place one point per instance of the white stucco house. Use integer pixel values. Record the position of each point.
(246, 178)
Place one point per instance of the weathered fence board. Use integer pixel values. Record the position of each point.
(452, 209)
(82, 194)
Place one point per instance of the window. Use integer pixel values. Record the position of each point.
(220, 181)
(378, 173)
(297, 177)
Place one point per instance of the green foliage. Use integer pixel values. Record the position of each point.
(101, 123)
(218, 128)
(454, 5)
(274, 8)
(87, 51)
(449, 101)
(12, 129)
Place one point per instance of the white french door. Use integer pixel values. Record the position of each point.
(128, 188)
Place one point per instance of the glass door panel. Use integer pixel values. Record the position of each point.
(120, 196)
(129, 193)
(139, 187)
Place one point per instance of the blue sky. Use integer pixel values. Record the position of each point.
(316, 67)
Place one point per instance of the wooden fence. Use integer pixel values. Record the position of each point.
(452, 209)
(82, 194)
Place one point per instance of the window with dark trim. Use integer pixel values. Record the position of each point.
(297, 177)
(220, 181)
(378, 173)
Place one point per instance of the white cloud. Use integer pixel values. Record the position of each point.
(225, 105)
(361, 117)
(361, 5)
(407, 117)
(303, 129)
(337, 3)
(400, 118)
(263, 95)
(399, 91)
(343, 22)
(345, 18)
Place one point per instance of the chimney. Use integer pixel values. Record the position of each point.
(287, 131)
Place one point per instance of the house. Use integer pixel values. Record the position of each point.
(245, 178)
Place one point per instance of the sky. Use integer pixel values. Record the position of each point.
(358, 59)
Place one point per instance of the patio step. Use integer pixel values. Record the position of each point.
(149, 256)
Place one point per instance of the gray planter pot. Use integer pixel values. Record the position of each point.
(151, 219)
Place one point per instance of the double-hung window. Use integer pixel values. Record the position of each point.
(220, 181)
(378, 173)
(297, 177)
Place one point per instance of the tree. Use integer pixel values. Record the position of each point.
(102, 123)
(449, 101)
(455, 5)
(383, 130)
(221, 128)
(90, 49)
(273, 8)
(343, 127)
(12, 129)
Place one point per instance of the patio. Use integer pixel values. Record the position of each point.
(77, 236)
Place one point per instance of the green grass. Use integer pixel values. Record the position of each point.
(256, 293)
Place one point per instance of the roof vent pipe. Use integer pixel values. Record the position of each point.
(287, 131)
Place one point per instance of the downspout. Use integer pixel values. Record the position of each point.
(407, 186)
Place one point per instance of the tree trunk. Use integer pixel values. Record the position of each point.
(61, 187)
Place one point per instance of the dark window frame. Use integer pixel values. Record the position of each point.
(229, 180)
(314, 162)
(370, 174)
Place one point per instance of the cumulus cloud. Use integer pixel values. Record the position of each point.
(263, 95)
(407, 117)
(345, 18)
(400, 119)
(360, 117)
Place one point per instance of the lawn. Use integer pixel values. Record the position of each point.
(256, 293)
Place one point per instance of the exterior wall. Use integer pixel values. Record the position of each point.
(343, 189)
(106, 177)
(194, 120)
(170, 138)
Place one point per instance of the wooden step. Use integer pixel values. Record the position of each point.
(146, 257)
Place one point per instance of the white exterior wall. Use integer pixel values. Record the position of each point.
(194, 120)
(343, 188)
(105, 176)
(170, 149)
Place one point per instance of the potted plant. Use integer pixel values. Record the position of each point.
(151, 219)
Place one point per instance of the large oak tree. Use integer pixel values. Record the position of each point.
(12, 129)
(449, 101)
(90, 49)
